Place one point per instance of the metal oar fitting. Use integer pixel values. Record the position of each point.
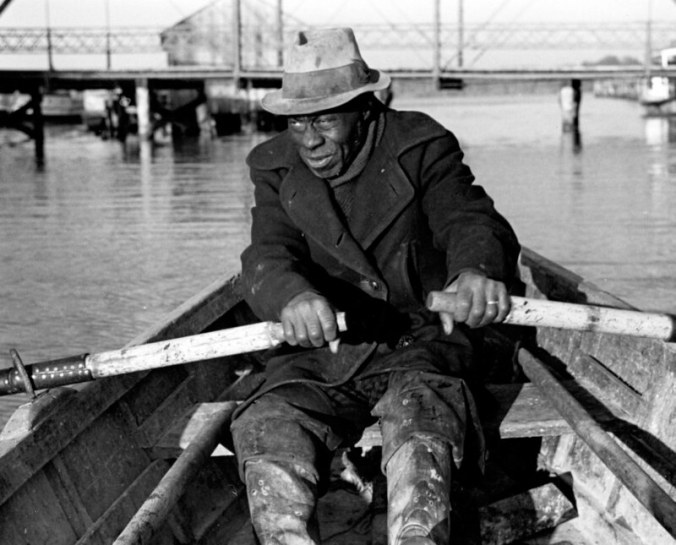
(38, 376)
(21, 370)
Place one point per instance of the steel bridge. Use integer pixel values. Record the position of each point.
(249, 56)
(457, 45)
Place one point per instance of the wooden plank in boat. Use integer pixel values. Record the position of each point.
(107, 525)
(37, 500)
(152, 390)
(179, 436)
(637, 362)
(521, 515)
(65, 489)
(172, 407)
(606, 385)
(519, 410)
(104, 463)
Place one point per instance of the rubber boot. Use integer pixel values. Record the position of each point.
(282, 502)
(418, 492)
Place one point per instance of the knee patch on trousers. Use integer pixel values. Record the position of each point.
(427, 403)
(272, 429)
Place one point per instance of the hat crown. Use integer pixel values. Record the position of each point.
(323, 69)
(314, 50)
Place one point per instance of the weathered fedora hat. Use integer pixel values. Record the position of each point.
(323, 70)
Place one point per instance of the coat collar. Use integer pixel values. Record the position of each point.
(383, 183)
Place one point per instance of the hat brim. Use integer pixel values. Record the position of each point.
(275, 103)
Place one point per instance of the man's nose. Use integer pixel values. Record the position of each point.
(311, 137)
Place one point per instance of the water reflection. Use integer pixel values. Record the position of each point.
(660, 130)
(571, 140)
(109, 237)
(576, 140)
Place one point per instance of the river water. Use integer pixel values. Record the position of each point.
(104, 239)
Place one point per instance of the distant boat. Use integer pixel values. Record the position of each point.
(62, 106)
(58, 106)
(657, 94)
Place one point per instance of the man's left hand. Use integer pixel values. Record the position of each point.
(480, 301)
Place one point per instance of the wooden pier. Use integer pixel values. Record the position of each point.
(140, 87)
(230, 94)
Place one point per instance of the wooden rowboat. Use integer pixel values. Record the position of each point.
(581, 428)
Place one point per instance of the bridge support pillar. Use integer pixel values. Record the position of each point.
(145, 126)
(38, 124)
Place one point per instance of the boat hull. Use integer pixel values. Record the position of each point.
(91, 462)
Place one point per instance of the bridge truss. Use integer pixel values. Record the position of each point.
(478, 38)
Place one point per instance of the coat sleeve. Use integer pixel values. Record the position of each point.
(276, 264)
(462, 217)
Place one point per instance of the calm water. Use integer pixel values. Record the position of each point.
(104, 239)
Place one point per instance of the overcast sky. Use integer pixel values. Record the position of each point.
(167, 12)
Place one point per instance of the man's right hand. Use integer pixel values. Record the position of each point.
(309, 320)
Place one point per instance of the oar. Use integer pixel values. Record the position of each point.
(636, 479)
(544, 313)
(86, 367)
(264, 335)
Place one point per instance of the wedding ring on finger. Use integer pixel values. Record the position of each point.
(492, 302)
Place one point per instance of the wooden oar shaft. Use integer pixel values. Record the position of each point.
(205, 346)
(148, 520)
(544, 313)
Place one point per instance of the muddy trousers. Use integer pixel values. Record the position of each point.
(285, 438)
(418, 492)
(282, 498)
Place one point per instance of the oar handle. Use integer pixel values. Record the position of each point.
(194, 348)
(545, 313)
(205, 346)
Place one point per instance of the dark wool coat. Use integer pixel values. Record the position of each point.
(417, 222)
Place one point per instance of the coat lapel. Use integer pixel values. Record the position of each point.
(308, 202)
(388, 191)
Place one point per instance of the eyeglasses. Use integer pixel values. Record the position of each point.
(321, 123)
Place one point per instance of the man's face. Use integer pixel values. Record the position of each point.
(327, 141)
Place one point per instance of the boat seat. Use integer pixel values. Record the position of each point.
(513, 411)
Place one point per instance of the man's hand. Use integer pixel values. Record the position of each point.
(309, 320)
(480, 301)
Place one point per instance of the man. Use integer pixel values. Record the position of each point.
(362, 209)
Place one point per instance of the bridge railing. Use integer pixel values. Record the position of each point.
(77, 40)
(259, 46)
